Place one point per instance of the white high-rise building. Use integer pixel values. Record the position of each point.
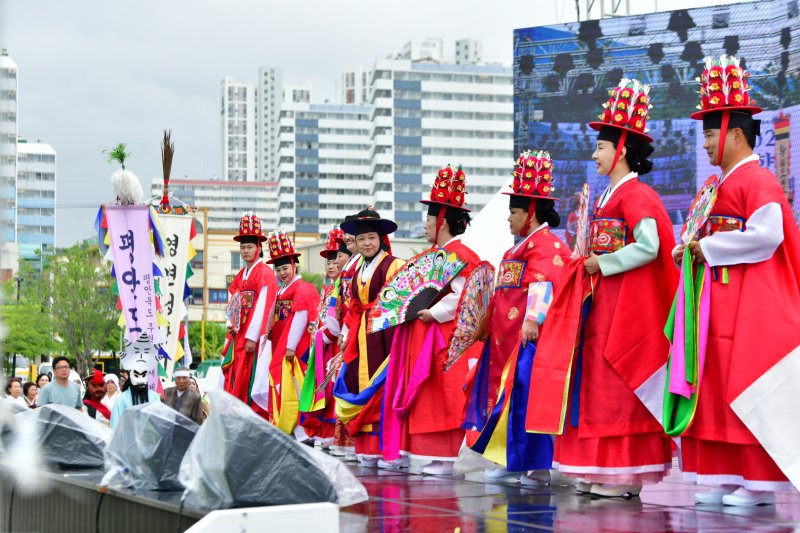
(8, 148)
(269, 98)
(325, 167)
(238, 116)
(355, 86)
(468, 51)
(426, 115)
(422, 50)
(36, 199)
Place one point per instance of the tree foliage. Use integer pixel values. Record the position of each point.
(28, 329)
(83, 306)
(215, 339)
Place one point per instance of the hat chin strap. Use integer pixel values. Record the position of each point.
(723, 135)
(618, 153)
(439, 219)
(527, 226)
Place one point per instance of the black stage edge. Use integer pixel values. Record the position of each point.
(74, 502)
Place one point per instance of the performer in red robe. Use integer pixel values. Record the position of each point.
(255, 288)
(526, 281)
(613, 438)
(320, 422)
(742, 438)
(425, 403)
(359, 387)
(295, 306)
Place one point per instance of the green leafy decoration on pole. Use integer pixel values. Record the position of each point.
(119, 154)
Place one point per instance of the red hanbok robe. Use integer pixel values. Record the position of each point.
(618, 439)
(321, 423)
(238, 375)
(749, 397)
(540, 256)
(341, 437)
(298, 296)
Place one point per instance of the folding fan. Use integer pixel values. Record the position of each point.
(700, 209)
(413, 288)
(471, 313)
(234, 311)
(581, 248)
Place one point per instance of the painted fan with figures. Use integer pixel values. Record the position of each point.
(413, 288)
(581, 248)
(471, 314)
(700, 209)
(234, 311)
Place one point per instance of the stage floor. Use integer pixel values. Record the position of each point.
(400, 501)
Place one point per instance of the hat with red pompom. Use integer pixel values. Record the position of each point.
(533, 178)
(250, 229)
(626, 110)
(449, 190)
(335, 239)
(281, 249)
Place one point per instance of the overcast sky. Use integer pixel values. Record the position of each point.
(94, 73)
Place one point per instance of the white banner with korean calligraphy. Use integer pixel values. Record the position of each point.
(133, 255)
(177, 252)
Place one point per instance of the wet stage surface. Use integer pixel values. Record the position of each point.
(403, 501)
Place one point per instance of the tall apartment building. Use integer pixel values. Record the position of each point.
(226, 200)
(324, 165)
(426, 115)
(355, 86)
(8, 148)
(36, 199)
(269, 97)
(238, 121)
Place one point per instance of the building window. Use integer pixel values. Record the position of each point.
(197, 260)
(217, 296)
(236, 261)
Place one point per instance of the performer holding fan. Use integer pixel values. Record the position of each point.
(526, 282)
(613, 367)
(423, 405)
(359, 387)
(739, 439)
(296, 304)
(252, 293)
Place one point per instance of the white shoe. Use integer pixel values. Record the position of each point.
(351, 457)
(496, 474)
(368, 461)
(397, 464)
(749, 498)
(581, 487)
(336, 451)
(439, 468)
(557, 479)
(714, 496)
(610, 490)
(535, 478)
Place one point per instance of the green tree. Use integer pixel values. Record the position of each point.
(315, 279)
(215, 339)
(25, 317)
(83, 306)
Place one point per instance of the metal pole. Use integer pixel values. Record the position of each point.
(205, 285)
